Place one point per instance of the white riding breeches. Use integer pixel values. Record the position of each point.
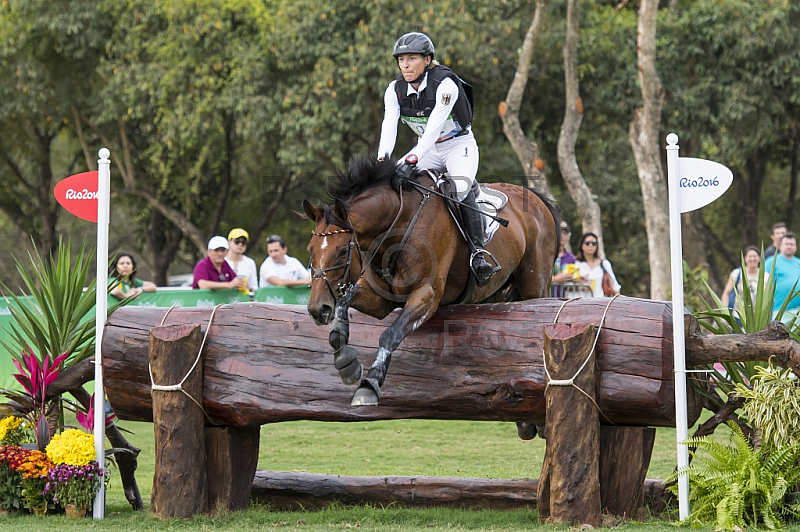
(458, 157)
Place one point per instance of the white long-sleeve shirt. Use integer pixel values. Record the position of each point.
(439, 124)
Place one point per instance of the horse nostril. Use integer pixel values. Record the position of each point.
(325, 313)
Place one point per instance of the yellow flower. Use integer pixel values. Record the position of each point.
(72, 447)
(8, 424)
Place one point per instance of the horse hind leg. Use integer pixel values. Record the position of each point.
(345, 357)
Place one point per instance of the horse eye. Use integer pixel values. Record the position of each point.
(342, 253)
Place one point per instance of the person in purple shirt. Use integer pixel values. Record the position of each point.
(213, 272)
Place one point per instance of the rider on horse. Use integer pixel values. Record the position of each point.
(437, 105)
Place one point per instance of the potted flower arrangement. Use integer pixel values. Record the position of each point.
(76, 476)
(10, 478)
(15, 431)
(34, 467)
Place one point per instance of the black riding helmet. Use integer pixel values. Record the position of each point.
(413, 43)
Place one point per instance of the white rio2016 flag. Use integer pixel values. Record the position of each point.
(693, 183)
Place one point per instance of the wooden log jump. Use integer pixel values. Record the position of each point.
(265, 364)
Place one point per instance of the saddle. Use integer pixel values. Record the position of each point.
(488, 200)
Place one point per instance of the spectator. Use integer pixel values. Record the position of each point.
(279, 269)
(123, 273)
(591, 266)
(752, 258)
(787, 273)
(560, 274)
(213, 272)
(242, 265)
(778, 230)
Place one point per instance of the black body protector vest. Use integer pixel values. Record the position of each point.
(416, 109)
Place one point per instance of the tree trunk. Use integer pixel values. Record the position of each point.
(179, 483)
(527, 150)
(573, 115)
(569, 486)
(646, 145)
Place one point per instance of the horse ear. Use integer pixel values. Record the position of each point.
(340, 210)
(313, 213)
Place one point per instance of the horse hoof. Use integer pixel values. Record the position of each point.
(351, 373)
(364, 397)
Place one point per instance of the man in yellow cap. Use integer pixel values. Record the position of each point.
(243, 265)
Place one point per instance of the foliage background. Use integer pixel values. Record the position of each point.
(225, 113)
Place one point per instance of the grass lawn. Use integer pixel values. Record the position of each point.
(402, 447)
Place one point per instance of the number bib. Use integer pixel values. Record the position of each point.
(418, 124)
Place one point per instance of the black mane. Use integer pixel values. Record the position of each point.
(363, 173)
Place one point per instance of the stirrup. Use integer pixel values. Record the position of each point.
(484, 279)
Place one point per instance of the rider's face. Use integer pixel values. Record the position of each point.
(412, 65)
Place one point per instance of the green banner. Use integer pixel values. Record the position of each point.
(186, 298)
(283, 295)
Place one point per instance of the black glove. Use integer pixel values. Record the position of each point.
(404, 171)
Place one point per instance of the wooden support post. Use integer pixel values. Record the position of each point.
(179, 483)
(231, 461)
(569, 486)
(624, 458)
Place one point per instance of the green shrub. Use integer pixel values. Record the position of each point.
(737, 486)
(772, 404)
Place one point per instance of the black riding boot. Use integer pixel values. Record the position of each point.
(473, 225)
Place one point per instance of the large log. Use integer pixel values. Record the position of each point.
(266, 363)
(294, 490)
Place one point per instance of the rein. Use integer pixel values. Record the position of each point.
(343, 289)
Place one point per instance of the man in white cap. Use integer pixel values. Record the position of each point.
(213, 272)
(243, 265)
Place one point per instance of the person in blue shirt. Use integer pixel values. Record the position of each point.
(787, 276)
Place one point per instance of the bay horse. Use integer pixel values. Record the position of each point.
(377, 248)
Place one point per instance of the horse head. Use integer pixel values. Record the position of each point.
(334, 259)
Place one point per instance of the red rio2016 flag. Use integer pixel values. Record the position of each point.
(78, 194)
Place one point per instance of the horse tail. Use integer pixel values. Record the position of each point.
(551, 206)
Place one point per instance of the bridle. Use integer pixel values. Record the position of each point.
(319, 273)
(345, 290)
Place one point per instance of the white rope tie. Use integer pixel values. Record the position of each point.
(571, 381)
(179, 387)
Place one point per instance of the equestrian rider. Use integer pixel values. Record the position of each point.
(432, 100)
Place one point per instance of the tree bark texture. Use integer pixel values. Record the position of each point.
(625, 454)
(293, 490)
(267, 363)
(527, 150)
(646, 145)
(569, 486)
(231, 461)
(588, 207)
(179, 483)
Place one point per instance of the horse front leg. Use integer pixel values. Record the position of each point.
(420, 306)
(345, 357)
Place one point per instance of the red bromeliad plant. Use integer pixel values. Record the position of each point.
(86, 420)
(32, 402)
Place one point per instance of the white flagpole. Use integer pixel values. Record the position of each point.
(101, 307)
(678, 340)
